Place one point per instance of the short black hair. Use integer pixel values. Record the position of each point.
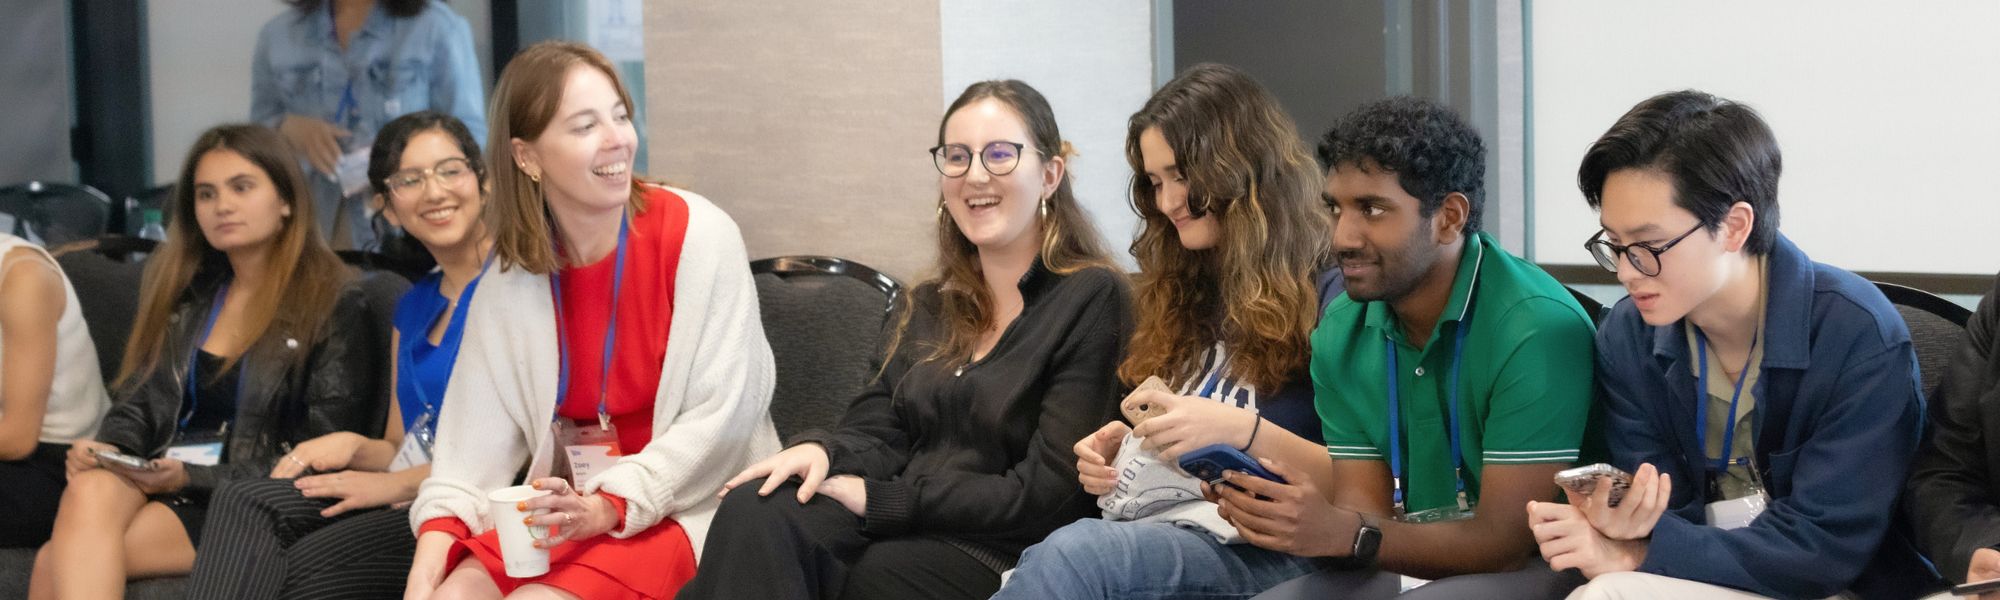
(1715, 151)
(1432, 151)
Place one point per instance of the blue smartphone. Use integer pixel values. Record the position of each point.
(1208, 464)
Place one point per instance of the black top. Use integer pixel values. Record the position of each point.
(216, 404)
(981, 452)
(1954, 495)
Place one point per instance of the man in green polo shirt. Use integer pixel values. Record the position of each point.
(1453, 381)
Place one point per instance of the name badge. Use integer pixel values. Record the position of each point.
(416, 448)
(1738, 513)
(207, 454)
(590, 450)
(353, 172)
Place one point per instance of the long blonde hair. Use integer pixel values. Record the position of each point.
(525, 101)
(1069, 242)
(1255, 290)
(303, 277)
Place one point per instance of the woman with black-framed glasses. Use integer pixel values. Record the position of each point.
(957, 455)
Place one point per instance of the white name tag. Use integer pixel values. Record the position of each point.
(591, 450)
(205, 454)
(1735, 514)
(411, 454)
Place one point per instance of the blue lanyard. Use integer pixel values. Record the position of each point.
(1451, 407)
(194, 353)
(1213, 381)
(610, 332)
(1701, 402)
(409, 358)
(347, 101)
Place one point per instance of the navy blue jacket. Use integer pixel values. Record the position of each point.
(1839, 414)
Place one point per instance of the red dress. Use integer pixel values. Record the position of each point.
(656, 562)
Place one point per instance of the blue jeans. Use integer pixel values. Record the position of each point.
(1094, 558)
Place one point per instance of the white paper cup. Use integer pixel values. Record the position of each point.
(517, 539)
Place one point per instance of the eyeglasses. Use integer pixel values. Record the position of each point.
(1642, 256)
(1000, 158)
(450, 173)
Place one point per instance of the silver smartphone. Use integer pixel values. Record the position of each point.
(122, 460)
(1583, 481)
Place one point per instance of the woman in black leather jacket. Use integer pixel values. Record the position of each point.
(246, 343)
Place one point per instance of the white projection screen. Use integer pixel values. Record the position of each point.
(1888, 114)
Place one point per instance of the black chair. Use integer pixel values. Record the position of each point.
(1937, 327)
(107, 291)
(136, 206)
(1596, 309)
(825, 318)
(53, 214)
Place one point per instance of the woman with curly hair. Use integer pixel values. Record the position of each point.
(1234, 264)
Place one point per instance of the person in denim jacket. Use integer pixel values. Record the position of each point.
(328, 75)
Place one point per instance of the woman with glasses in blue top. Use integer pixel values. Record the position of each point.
(331, 520)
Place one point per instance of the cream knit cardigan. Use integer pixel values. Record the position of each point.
(710, 419)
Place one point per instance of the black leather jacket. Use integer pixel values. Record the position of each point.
(280, 404)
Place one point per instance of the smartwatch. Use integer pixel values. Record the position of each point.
(1367, 540)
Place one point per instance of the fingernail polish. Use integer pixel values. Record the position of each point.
(521, 506)
(528, 521)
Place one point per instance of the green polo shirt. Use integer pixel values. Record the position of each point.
(1525, 380)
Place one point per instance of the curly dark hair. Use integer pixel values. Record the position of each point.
(1432, 151)
(1716, 152)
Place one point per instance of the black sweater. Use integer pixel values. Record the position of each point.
(983, 455)
(1954, 493)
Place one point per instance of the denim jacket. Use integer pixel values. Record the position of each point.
(397, 65)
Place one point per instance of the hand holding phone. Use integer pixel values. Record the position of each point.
(1209, 463)
(1583, 481)
(121, 460)
(1138, 412)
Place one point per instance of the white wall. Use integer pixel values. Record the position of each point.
(198, 53)
(1886, 113)
(1094, 63)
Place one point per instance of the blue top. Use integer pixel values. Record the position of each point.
(1292, 406)
(1837, 421)
(395, 66)
(422, 370)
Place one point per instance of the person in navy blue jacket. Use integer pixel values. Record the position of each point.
(1767, 405)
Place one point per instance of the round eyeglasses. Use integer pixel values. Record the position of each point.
(1642, 256)
(999, 158)
(449, 173)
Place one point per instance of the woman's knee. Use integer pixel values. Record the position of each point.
(467, 581)
(742, 505)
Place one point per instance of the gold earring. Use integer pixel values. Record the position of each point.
(1045, 209)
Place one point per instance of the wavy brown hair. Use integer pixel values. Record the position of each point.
(1069, 242)
(1255, 290)
(525, 100)
(303, 277)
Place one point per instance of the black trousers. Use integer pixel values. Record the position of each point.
(30, 491)
(773, 548)
(265, 540)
